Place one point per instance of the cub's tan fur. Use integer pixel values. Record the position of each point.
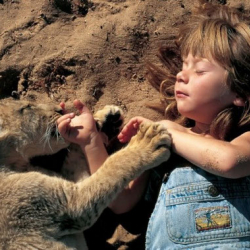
(43, 210)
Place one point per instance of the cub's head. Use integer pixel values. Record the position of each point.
(28, 129)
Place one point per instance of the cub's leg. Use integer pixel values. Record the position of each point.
(51, 207)
(148, 149)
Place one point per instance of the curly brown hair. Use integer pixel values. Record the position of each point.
(222, 34)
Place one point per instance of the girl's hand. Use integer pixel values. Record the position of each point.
(130, 129)
(77, 129)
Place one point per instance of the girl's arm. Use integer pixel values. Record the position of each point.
(226, 159)
(95, 153)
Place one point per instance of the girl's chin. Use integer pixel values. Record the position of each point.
(183, 112)
(187, 114)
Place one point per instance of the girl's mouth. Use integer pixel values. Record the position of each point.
(179, 94)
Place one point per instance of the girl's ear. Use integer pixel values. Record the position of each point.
(239, 101)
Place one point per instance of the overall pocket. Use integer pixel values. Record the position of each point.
(207, 211)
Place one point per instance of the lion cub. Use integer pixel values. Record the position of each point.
(40, 209)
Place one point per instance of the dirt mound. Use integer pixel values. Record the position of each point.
(92, 50)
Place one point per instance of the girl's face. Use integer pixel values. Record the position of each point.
(200, 89)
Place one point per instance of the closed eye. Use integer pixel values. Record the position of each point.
(200, 72)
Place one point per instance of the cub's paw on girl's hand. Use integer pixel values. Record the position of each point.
(154, 142)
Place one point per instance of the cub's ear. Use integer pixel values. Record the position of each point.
(239, 101)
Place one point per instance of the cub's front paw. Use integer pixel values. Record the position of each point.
(109, 120)
(153, 143)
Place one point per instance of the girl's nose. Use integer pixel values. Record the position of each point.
(182, 77)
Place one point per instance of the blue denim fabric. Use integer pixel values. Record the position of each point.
(198, 210)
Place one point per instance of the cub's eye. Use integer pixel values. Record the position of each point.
(28, 106)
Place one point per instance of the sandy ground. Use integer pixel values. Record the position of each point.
(93, 50)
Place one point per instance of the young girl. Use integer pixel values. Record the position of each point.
(205, 201)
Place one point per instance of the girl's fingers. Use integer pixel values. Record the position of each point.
(78, 105)
(65, 117)
(123, 138)
(130, 129)
(63, 126)
(127, 132)
(62, 105)
(135, 122)
(81, 107)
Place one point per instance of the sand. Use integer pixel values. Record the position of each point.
(95, 51)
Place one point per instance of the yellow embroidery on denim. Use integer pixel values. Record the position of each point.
(210, 218)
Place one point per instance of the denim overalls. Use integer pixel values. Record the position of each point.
(198, 210)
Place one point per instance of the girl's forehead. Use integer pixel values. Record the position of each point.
(194, 58)
(215, 53)
(197, 58)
